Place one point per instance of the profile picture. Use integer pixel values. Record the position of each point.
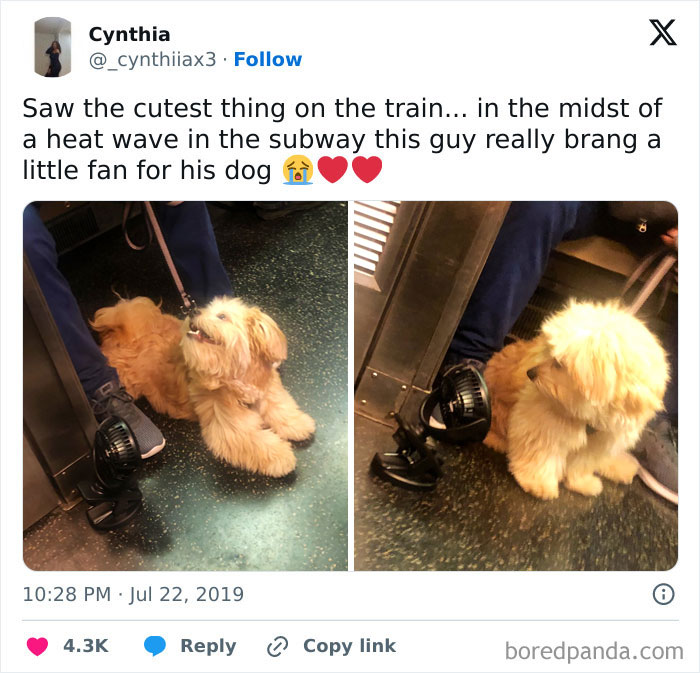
(52, 47)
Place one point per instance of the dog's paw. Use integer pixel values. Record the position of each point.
(545, 489)
(280, 460)
(621, 468)
(586, 484)
(297, 429)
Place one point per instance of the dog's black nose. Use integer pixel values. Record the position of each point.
(532, 373)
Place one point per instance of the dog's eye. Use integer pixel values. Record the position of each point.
(222, 316)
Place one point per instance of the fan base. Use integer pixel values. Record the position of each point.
(110, 509)
(414, 466)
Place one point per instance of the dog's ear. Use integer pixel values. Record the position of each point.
(594, 376)
(640, 400)
(630, 384)
(266, 338)
(642, 392)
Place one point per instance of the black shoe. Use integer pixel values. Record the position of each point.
(112, 400)
(657, 453)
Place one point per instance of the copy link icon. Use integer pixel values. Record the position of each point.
(277, 646)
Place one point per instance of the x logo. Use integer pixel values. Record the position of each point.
(662, 32)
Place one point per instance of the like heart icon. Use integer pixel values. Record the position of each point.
(367, 168)
(37, 646)
(332, 168)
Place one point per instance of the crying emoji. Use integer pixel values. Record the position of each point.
(298, 170)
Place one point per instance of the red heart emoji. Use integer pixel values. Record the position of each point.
(332, 168)
(367, 168)
(37, 646)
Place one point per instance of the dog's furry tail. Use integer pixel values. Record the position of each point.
(127, 298)
(106, 319)
(130, 318)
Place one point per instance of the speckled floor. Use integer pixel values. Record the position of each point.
(480, 519)
(199, 513)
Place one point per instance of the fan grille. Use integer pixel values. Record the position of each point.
(462, 397)
(117, 453)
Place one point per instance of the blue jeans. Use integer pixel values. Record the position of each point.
(190, 237)
(188, 232)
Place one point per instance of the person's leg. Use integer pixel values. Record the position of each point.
(671, 344)
(190, 237)
(657, 449)
(100, 381)
(40, 248)
(513, 271)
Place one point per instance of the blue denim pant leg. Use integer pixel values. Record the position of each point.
(670, 343)
(40, 248)
(190, 237)
(513, 271)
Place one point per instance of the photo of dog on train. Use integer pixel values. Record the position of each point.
(185, 385)
(218, 366)
(516, 389)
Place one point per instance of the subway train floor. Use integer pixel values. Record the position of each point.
(478, 518)
(200, 513)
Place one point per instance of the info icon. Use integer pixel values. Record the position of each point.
(663, 594)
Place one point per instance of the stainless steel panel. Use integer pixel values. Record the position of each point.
(40, 496)
(380, 396)
(373, 292)
(59, 424)
(432, 288)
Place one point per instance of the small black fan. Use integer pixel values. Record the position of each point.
(464, 403)
(462, 397)
(114, 496)
(466, 411)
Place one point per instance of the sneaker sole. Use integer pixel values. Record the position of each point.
(153, 451)
(656, 486)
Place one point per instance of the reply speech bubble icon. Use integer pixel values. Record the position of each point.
(154, 644)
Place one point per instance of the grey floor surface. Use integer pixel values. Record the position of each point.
(478, 518)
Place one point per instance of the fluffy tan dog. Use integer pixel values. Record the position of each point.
(218, 366)
(569, 404)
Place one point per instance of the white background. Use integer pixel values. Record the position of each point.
(453, 52)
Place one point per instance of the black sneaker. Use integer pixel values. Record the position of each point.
(657, 453)
(436, 420)
(112, 400)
